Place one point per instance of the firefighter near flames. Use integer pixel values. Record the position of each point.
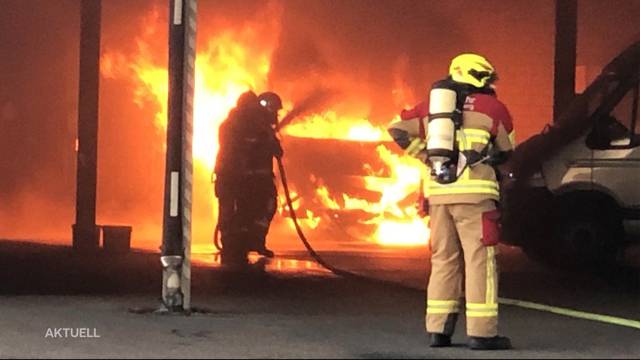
(461, 133)
(244, 177)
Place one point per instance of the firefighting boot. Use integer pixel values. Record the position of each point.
(491, 343)
(443, 339)
(234, 260)
(234, 251)
(260, 238)
(439, 340)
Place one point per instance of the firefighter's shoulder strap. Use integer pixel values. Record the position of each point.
(486, 155)
(422, 132)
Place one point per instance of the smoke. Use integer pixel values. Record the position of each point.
(354, 46)
(38, 106)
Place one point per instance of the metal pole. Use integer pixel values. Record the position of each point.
(86, 235)
(564, 81)
(176, 235)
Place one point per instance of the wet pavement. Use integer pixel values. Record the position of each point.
(614, 291)
(294, 309)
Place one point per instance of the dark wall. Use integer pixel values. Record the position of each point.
(38, 78)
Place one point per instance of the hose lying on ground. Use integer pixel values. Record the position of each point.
(315, 99)
(303, 238)
(314, 255)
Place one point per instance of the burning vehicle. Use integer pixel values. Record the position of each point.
(371, 196)
(350, 184)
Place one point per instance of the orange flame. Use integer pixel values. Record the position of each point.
(330, 125)
(396, 225)
(233, 61)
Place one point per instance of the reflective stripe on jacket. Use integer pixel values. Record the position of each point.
(486, 122)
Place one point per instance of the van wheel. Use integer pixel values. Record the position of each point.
(588, 231)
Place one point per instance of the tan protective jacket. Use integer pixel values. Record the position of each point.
(486, 122)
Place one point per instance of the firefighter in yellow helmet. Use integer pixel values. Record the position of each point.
(462, 132)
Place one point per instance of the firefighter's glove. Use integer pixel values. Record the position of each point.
(497, 157)
(418, 149)
(422, 205)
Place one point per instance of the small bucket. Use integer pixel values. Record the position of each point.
(116, 239)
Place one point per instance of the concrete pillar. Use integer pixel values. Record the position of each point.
(176, 234)
(85, 231)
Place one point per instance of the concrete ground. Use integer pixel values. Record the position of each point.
(294, 310)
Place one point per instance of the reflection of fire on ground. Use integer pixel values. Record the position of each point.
(348, 183)
(280, 264)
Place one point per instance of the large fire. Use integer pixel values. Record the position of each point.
(329, 125)
(233, 61)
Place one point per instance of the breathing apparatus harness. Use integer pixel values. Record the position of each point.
(446, 106)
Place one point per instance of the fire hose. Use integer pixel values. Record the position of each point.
(314, 99)
(504, 301)
(314, 255)
(629, 323)
(310, 250)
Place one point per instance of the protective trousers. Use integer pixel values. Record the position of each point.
(234, 244)
(463, 245)
(256, 207)
(247, 207)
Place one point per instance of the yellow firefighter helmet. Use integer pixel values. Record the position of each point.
(472, 69)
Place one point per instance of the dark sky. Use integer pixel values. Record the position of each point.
(363, 40)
